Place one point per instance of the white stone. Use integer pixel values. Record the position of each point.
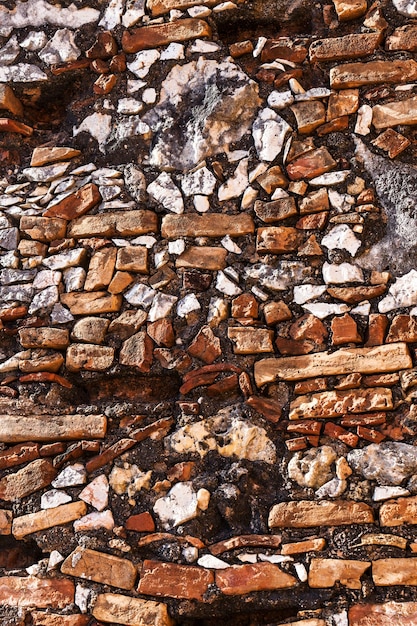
(46, 278)
(149, 95)
(96, 493)
(304, 293)
(212, 562)
(82, 597)
(74, 278)
(134, 85)
(280, 99)
(44, 300)
(61, 48)
(363, 120)
(316, 93)
(129, 479)
(95, 521)
(175, 51)
(340, 619)
(334, 488)
(217, 311)
(188, 304)
(69, 258)
(407, 8)
(199, 11)
(176, 247)
(39, 13)
(323, 310)
(363, 308)
(228, 243)
(274, 558)
(389, 463)
(224, 6)
(35, 40)
(237, 155)
(342, 202)
(343, 273)
(98, 125)
(201, 182)
(143, 62)
(140, 295)
(259, 46)
(55, 558)
(226, 286)
(10, 51)
(135, 10)
(301, 572)
(129, 106)
(402, 293)
(126, 128)
(204, 47)
(161, 306)
(341, 237)
(60, 315)
(269, 131)
(46, 173)
(236, 184)
(71, 476)
(21, 73)
(164, 191)
(330, 178)
(386, 493)
(178, 506)
(249, 196)
(52, 498)
(112, 15)
(201, 203)
(247, 557)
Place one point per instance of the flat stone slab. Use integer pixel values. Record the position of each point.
(17, 428)
(306, 514)
(112, 607)
(388, 358)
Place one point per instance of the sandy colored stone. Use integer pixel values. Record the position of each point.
(309, 165)
(29, 591)
(49, 518)
(341, 103)
(89, 357)
(389, 358)
(327, 572)
(341, 48)
(90, 330)
(43, 228)
(249, 340)
(9, 102)
(272, 179)
(314, 202)
(163, 34)
(30, 478)
(94, 303)
(5, 522)
(333, 403)
(277, 239)
(392, 142)
(176, 581)
(48, 363)
(120, 282)
(208, 225)
(309, 115)
(43, 156)
(16, 428)
(374, 73)
(137, 352)
(132, 259)
(350, 9)
(388, 572)
(75, 204)
(55, 619)
(55, 338)
(275, 211)
(383, 539)
(100, 269)
(124, 223)
(128, 323)
(276, 312)
(204, 258)
(100, 567)
(241, 579)
(403, 38)
(398, 613)
(354, 295)
(395, 113)
(398, 512)
(111, 607)
(307, 514)
(300, 547)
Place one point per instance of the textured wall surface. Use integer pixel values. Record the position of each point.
(208, 313)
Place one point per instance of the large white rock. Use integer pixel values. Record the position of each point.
(269, 131)
(164, 190)
(402, 293)
(389, 463)
(343, 273)
(341, 237)
(179, 506)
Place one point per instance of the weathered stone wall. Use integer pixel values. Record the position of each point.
(207, 299)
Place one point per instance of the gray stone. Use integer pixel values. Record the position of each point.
(61, 48)
(389, 463)
(204, 106)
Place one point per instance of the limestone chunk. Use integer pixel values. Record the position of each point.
(269, 131)
(61, 48)
(402, 293)
(98, 125)
(313, 468)
(71, 476)
(389, 463)
(341, 237)
(342, 273)
(236, 184)
(164, 190)
(96, 493)
(95, 521)
(111, 607)
(178, 507)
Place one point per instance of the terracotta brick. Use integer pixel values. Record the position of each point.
(276, 312)
(277, 239)
(377, 327)
(245, 305)
(243, 541)
(299, 443)
(300, 547)
(54, 338)
(205, 345)
(372, 73)
(250, 340)
(162, 34)
(143, 522)
(281, 209)
(326, 572)
(388, 572)
(370, 434)
(120, 223)
(308, 386)
(403, 328)
(311, 164)
(43, 228)
(42, 520)
(5, 522)
(100, 567)
(344, 330)
(314, 221)
(55, 619)
(76, 204)
(173, 580)
(17, 455)
(17, 428)
(29, 479)
(30, 591)
(334, 403)
(354, 295)
(209, 225)
(337, 432)
(306, 514)
(207, 258)
(242, 579)
(270, 409)
(350, 9)
(343, 48)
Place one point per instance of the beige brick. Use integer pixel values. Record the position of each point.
(306, 514)
(100, 567)
(17, 428)
(111, 607)
(327, 572)
(42, 520)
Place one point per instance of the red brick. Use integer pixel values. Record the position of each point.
(242, 579)
(173, 580)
